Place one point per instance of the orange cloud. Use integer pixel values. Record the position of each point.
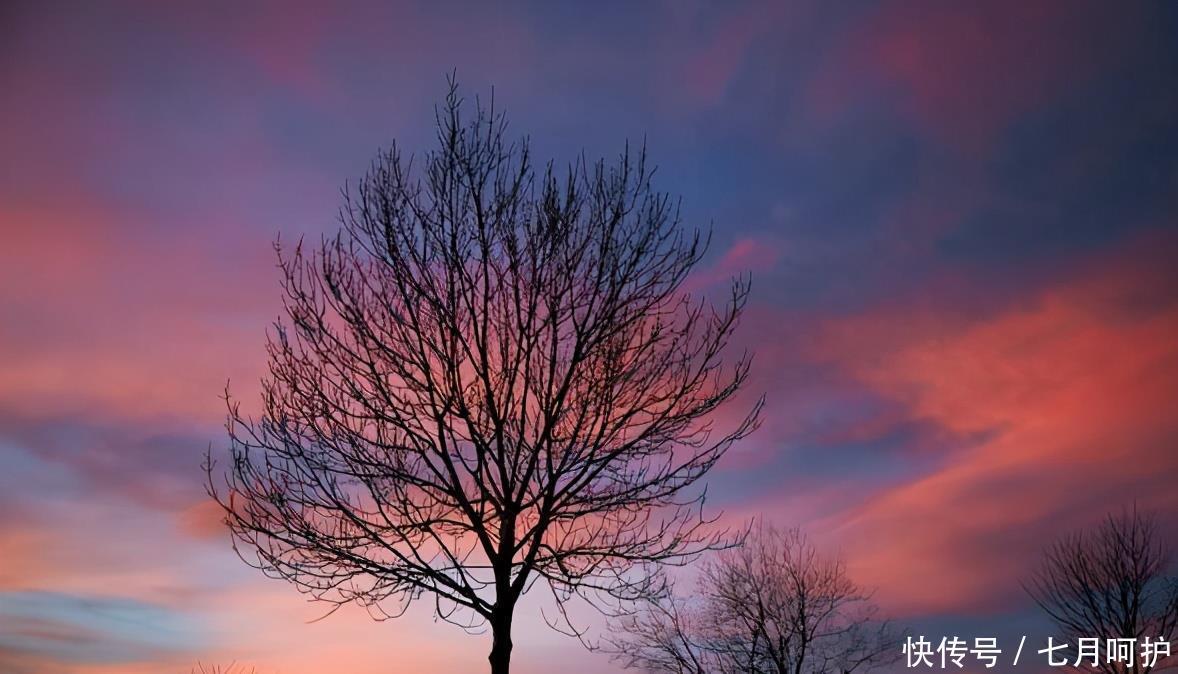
(1069, 398)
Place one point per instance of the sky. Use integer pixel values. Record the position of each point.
(961, 220)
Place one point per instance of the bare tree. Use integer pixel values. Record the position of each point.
(217, 669)
(773, 606)
(488, 377)
(1111, 582)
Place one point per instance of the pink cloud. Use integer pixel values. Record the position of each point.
(746, 255)
(1072, 396)
(93, 332)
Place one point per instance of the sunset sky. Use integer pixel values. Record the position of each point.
(961, 220)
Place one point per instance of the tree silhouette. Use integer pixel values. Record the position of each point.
(1111, 582)
(490, 376)
(217, 669)
(772, 606)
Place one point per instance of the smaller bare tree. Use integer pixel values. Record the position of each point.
(772, 606)
(1111, 582)
(232, 668)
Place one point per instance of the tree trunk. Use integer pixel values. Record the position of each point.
(500, 657)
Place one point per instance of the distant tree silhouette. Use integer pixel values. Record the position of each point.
(488, 377)
(1111, 582)
(773, 606)
(217, 669)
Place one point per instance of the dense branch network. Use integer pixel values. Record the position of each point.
(490, 377)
